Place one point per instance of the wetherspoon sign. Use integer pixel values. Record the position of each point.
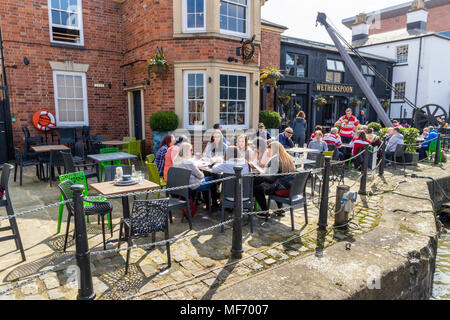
(334, 88)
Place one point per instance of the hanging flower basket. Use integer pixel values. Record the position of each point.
(269, 77)
(284, 97)
(158, 64)
(385, 103)
(354, 102)
(320, 101)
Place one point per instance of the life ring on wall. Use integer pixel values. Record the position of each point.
(44, 120)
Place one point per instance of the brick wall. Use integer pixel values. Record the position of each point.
(438, 20)
(25, 30)
(270, 57)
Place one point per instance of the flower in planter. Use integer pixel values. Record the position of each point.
(270, 76)
(158, 63)
(321, 101)
(355, 101)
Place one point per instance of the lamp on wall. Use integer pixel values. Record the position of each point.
(26, 61)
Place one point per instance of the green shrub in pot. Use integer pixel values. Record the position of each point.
(162, 123)
(376, 127)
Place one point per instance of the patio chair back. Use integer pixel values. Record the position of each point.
(228, 188)
(298, 186)
(126, 147)
(317, 157)
(149, 216)
(153, 174)
(110, 172)
(85, 133)
(79, 149)
(68, 161)
(177, 177)
(76, 178)
(67, 135)
(18, 156)
(151, 158)
(67, 194)
(109, 150)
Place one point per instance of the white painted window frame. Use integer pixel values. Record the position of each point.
(247, 100)
(186, 29)
(80, 25)
(186, 100)
(395, 94)
(85, 100)
(248, 22)
(397, 55)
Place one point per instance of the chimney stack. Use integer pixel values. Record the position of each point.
(417, 17)
(360, 29)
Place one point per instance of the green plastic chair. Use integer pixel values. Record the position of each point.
(153, 176)
(126, 147)
(328, 153)
(107, 163)
(150, 158)
(432, 148)
(135, 149)
(77, 178)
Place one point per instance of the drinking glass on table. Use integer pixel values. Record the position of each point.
(198, 156)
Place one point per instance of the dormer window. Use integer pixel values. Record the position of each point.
(66, 24)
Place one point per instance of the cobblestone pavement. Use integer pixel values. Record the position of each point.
(200, 264)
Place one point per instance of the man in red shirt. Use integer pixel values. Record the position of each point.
(349, 125)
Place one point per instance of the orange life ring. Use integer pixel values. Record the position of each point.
(43, 120)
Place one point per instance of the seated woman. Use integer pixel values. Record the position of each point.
(260, 154)
(316, 128)
(160, 159)
(359, 141)
(186, 161)
(280, 162)
(171, 155)
(317, 143)
(216, 147)
(373, 138)
(242, 147)
(232, 160)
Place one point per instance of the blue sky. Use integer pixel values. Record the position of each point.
(300, 15)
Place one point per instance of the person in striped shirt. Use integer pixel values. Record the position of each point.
(359, 142)
(334, 138)
(349, 126)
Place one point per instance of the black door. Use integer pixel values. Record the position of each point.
(137, 113)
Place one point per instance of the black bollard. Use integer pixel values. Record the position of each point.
(236, 246)
(362, 184)
(383, 159)
(85, 290)
(438, 149)
(323, 212)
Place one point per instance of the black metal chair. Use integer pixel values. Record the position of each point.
(296, 197)
(95, 144)
(20, 162)
(147, 216)
(69, 166)
(29, 140)
(79, 152)
(319, 159)
(90, 207)
(67, 135)
(177, 177)
(228, 201)
(56, 161)
(5, 201)
(85, 134)
(400, 153)
(332, 147)
(110, 172)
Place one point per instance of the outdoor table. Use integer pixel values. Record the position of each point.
(301, 150)
(104, 157)
(115, 143)
(48, 148)
(109, 189)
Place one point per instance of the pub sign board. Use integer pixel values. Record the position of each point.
(334, 88)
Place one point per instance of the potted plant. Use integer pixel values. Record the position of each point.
(158, 63)
(284, 97)
(355, 102)
(410, 135)
(376, 127)
(271, 119)
(162, 123)
(320, 101)
(269, 77)
(385, 103)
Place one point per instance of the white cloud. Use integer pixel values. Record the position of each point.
(300, 15)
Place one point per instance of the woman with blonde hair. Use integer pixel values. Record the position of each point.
(242, 147)
(280, 162)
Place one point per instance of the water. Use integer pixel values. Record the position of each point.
(441, 285)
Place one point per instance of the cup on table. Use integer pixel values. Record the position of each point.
(198, 156)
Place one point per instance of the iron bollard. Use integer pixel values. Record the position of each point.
(340, 217)
(438, 149)
(362, 184)
(323, 212)
(85, 290)
(236, 246)
(383, 159)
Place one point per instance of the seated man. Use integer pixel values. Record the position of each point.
(395, 139)
(262, 133)
(432, 136)
(335, 139)
(285, 138)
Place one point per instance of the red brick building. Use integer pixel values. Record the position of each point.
(394, 18)
(86, 62)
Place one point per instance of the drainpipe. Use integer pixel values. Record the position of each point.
(418, 70)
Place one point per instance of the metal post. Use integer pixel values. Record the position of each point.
(323, 213)
(236, 246)
(362, 184)
(85, 290)
(340, 217)
(383, 158)
(438, 150)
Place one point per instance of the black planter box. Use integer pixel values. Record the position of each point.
(412, 158)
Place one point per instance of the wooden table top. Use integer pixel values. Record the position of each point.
(301, 150)
(108, 188)
(115, 142)
(48, 148)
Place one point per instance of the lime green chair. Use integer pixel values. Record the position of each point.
(153, 176)
(432, 148)
(126, 147)
(135, 149)
(328, 154)
(77, 178)
(150, 158)
(107, 163)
